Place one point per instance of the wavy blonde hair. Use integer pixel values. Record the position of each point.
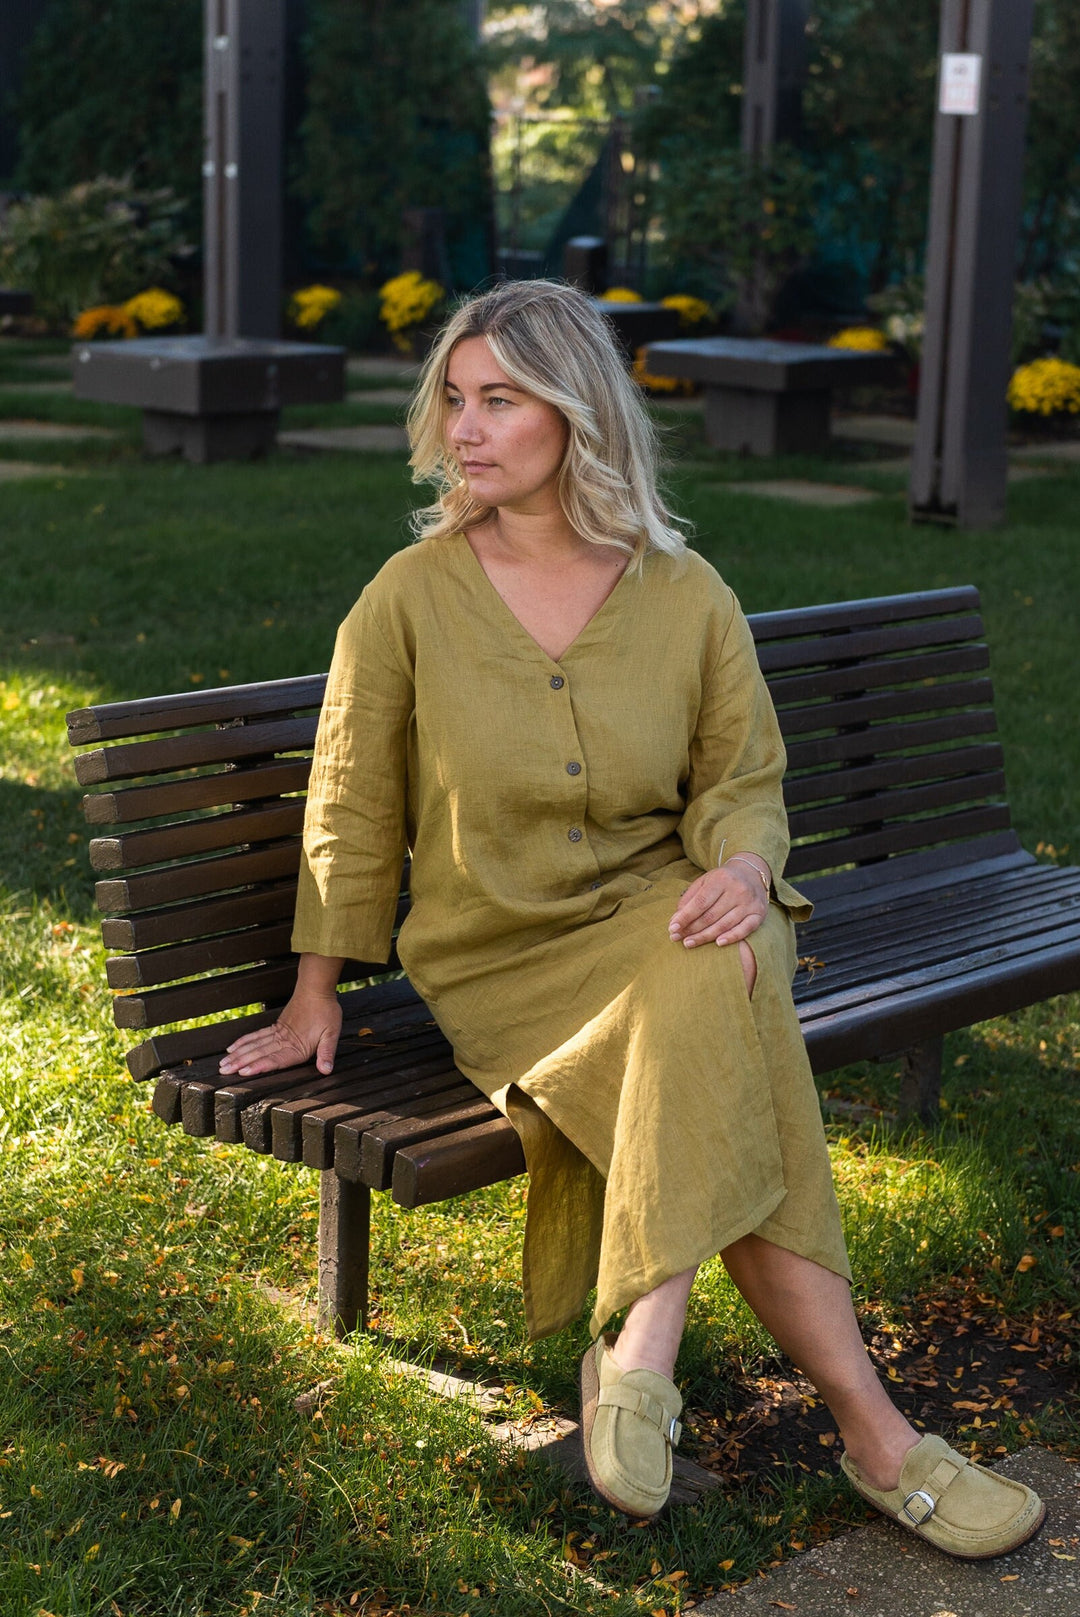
(553, 341)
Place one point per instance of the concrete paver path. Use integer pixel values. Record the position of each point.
(883, 1571)
(801, 491)
(346, 438)
(15, 471)
(17, 432)
(388, 365)
(380, 395)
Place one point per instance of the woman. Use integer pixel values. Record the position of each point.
(558, 708)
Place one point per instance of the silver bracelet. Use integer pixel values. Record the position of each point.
(737, 859)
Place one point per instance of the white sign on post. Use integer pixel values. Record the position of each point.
(960, 76)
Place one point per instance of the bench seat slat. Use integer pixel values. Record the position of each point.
(165, 1052)
(460, 1109)
(453, 1164)
(941, 935)
(273, 981)
(193, 749)
(216, 705)
(1002, 954)
(291, 1121)
(271, 778)
(232, 1103)
(850, 646)
(889, 806)
(972, 904)
(133, 849)
(898, 838)
(968, 992)
(437, 1071)
(822, 685)
(882, 739)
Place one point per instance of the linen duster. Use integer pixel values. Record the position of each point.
(555, 812)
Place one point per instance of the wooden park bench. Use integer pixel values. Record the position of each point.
(930, 914)
(764, 397)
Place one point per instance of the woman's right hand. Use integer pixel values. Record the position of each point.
(310, 1025)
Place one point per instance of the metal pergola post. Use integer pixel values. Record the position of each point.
(242, 182)
(960, 465)
(774, 69)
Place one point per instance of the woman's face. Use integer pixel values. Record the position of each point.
(508, 443)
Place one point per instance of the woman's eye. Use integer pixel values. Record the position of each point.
(497, 398)
(452, 402)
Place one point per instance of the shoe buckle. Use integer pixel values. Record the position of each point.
(925, 1499)
(674, 1432)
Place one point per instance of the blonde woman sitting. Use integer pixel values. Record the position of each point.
(556, 706)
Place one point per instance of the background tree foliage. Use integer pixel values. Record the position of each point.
(114, 87)
(397, 116)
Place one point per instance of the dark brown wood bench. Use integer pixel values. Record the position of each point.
(930, 914)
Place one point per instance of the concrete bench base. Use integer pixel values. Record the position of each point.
(751, 423)
(764, 397)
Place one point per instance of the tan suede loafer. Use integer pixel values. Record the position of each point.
(629, 1426)
(954, 1504)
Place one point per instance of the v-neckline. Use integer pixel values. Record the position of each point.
(516, 621)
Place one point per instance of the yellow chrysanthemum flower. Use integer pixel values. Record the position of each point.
(105, 319)
(865, 339)
(620, 294)
(404, 301)
(691, 311)
(309, 306)
(1046, 387)
(155, 309)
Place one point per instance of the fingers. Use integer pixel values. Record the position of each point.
(265, 1050)
(722, 906)
(324, 1055)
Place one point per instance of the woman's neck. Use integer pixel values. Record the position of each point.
(525, 537)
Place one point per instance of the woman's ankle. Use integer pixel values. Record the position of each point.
(634, 1352)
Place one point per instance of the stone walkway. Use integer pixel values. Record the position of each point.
(801, 491)
(15, 471)
(380, 395)
(37, 387)
(18, 432)
(380, 439)
(882, 1571)
(388, 365)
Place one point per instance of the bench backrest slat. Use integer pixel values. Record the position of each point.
(884, 705)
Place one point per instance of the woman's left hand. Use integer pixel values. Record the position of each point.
(722, 906)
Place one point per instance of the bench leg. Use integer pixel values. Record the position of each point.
(920, 1080)
(344, 1234)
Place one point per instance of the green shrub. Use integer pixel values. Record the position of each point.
(100, 242)
(113, 89)
(397, 117)
(741, 227)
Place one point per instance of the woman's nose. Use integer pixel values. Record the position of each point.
(465, 427)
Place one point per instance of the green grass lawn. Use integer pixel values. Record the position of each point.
(153, 1343)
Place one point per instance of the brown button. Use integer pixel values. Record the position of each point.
(573, 769)
(575, 833)
(557, 682)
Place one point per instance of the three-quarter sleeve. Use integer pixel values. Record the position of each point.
(355, 821)
(734, 791)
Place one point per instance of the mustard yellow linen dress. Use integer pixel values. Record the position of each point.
(556, 811)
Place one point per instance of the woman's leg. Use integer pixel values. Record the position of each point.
(808, 1311)
(650, 1338)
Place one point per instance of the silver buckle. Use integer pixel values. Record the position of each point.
(674, 1432)
(928, 1500)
